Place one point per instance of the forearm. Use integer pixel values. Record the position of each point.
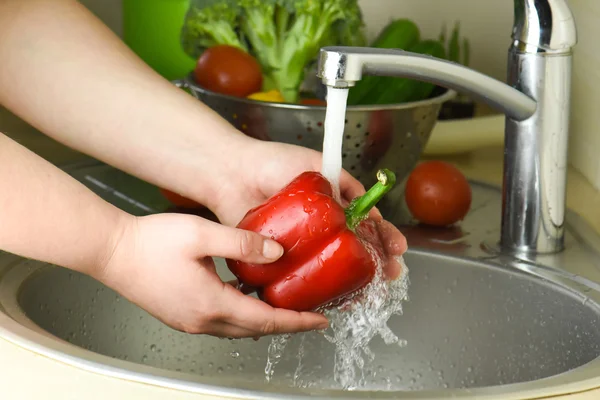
(67, 74)
(46, 215)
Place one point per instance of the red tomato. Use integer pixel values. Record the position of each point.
(438, 194)
(228, 70)
(179, 200)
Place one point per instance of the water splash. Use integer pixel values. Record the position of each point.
(353, 324)
(275, 352)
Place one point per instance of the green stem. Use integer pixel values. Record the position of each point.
(359, 208)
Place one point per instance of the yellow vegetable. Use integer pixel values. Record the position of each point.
(272, 96)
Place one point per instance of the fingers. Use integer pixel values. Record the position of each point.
(226, 330)
(350, 187)
(238, 244)
(255, 316)
(394, 245)
(393, 240)
(392, 269)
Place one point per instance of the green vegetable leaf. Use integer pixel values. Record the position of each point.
(454, 47)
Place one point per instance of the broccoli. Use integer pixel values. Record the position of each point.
(283, 35)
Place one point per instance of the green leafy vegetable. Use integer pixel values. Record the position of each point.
(283, 35)
(454, 48)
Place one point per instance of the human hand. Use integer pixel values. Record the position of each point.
(266, 167)
(163, 264)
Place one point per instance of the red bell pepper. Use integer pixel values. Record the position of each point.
(329, 252)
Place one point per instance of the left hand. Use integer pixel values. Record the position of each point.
(266, 167)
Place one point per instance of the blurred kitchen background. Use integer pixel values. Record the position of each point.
(148, 26)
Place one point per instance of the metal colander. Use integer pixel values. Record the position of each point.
(375, 137)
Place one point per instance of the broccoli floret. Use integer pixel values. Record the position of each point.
(315, 23)
(209, 23)
(283, 35)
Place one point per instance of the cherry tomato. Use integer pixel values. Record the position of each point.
(437, 193)
(179, 200)
(228, 70)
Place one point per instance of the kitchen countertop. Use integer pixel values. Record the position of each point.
(24, 374)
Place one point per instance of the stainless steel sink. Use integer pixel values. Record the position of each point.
(476, 325)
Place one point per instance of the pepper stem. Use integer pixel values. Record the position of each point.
(359, 208)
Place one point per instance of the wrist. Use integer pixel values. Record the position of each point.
(214, 177)
(123, 223)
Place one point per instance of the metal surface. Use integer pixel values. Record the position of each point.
(343, 66)
(535, 156)
(478, 324)
(544, 26)
(536, 102)
(376, 137)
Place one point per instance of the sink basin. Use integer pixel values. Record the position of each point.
(476, 325)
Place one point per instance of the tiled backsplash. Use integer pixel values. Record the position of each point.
(487, 24)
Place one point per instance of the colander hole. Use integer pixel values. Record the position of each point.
(424, 117)
(357, 145)
(299, 137)
(358, 126)
(358, 156)
(348, 137)
(345, 121)
(319, 124)
(402, 146)
(343, 155)
(309, 129)
(366, 133)
(352, 168)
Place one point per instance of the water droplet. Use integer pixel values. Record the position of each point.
(234, 354)
(220, 370)
(153, 347)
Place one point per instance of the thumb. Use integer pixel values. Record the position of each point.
(238, 244)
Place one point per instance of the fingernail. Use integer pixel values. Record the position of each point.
(323, 326)
(272, 249)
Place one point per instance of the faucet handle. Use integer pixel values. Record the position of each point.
(544, 26)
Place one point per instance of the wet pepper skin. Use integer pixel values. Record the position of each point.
(324, 260)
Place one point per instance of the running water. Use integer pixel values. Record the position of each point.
(355, 322)
(352, 326)
(335, 117)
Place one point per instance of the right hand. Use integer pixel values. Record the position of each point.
(163, 263)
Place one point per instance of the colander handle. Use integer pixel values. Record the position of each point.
(183, 84)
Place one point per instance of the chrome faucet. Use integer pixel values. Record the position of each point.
(535, 100)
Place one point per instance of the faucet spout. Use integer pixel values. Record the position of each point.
(343, 66)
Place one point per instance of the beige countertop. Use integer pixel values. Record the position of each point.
(25, 374)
